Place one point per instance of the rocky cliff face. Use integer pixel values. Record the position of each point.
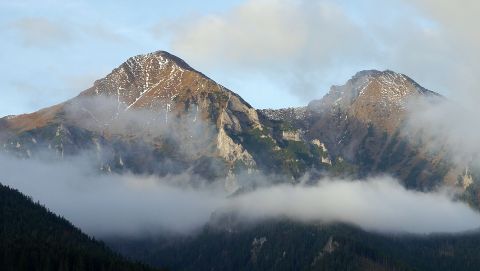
(363, 123)
(155, 114)
(153, 104)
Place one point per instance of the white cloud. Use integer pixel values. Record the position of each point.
(132, 205)
(290, 41)
(378, 204)
(458, 23)
(306, 46)
(109, 204)
(448, 128)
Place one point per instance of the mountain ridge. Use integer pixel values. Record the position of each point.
(356, 125)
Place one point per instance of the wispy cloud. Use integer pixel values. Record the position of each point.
(306, 46)
(292, 40)
(45, 32)
(447, 127)
(127, 204)
(38, 31)
(132, 205)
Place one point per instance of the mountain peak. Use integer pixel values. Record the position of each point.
(387, 89)
(392, 81)
(387, 78)
(376, 73)
(370, 73)
(151, 81)
(158, 82)
(161, 56)
(373, 96)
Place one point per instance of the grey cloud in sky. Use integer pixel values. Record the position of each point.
(452, 124)
(458, 23)
(38, 31)
(44, 32)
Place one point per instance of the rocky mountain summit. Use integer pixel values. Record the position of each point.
(379, 97)
(155, 114)
(363, 124)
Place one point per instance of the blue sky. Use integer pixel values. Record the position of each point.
(274, 53)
